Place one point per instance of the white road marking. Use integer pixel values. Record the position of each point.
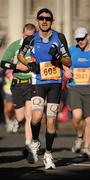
(81, 164)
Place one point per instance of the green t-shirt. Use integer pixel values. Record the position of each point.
(10, 55)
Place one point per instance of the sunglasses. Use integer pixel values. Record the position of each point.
(41, 18)
(80, 39)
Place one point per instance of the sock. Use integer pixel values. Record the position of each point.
(49, 140)
(35, 130)
(27, 142)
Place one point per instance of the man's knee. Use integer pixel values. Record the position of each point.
(37, 103)
(52, 110)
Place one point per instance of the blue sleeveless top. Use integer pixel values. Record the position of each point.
(41, 54)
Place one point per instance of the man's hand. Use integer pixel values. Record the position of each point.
(34, 67)
(59, 60)
(66, 61)
(67, 72)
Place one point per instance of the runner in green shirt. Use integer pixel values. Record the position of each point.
(21, 83)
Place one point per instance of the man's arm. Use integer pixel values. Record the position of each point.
(7, 65)
(7, 58)
(27, 44)
(64, 45)
(15, 67)
(64, 58)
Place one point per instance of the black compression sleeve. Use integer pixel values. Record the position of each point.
(27, 42)
(63, 40)
(7, 65)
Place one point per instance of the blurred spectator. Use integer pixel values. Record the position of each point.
(1, 95)
(2, 40)
(9, 112)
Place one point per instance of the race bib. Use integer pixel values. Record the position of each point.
(49, 72)
(81, 76)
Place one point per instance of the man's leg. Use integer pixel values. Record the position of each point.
(37, 115)
(79, 126)
(50, 135)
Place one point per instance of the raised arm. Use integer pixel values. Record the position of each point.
(27, 45)
(64, 57)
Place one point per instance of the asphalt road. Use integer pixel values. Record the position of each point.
(68, 165)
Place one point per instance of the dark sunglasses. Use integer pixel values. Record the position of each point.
(41, 18)
(80, 39)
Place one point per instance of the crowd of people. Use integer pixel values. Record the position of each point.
(41, 72)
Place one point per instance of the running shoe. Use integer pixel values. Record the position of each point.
(85, 152)
(48, 161)
(33, 149)
(15, 126)
(77, 145)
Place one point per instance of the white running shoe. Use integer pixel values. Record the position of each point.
(32, 155)
(12, 126)
(77, 145)
(85, 152)
(15, 126)
(48, 161)
(9, 125)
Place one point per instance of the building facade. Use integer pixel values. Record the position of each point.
(68, 14)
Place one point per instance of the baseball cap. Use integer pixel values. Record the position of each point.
(46, 11)
(80, 32)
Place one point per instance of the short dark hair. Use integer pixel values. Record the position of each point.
(29, 26)
(46, 11)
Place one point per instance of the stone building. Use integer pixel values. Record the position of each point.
(68, 14)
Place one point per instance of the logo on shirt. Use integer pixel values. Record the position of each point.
(82, 59)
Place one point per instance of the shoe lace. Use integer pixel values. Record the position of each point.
(34, 146)
(48, 157)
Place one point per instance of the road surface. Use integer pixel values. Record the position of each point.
(14, 166)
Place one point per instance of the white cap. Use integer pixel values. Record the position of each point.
(80, 32)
